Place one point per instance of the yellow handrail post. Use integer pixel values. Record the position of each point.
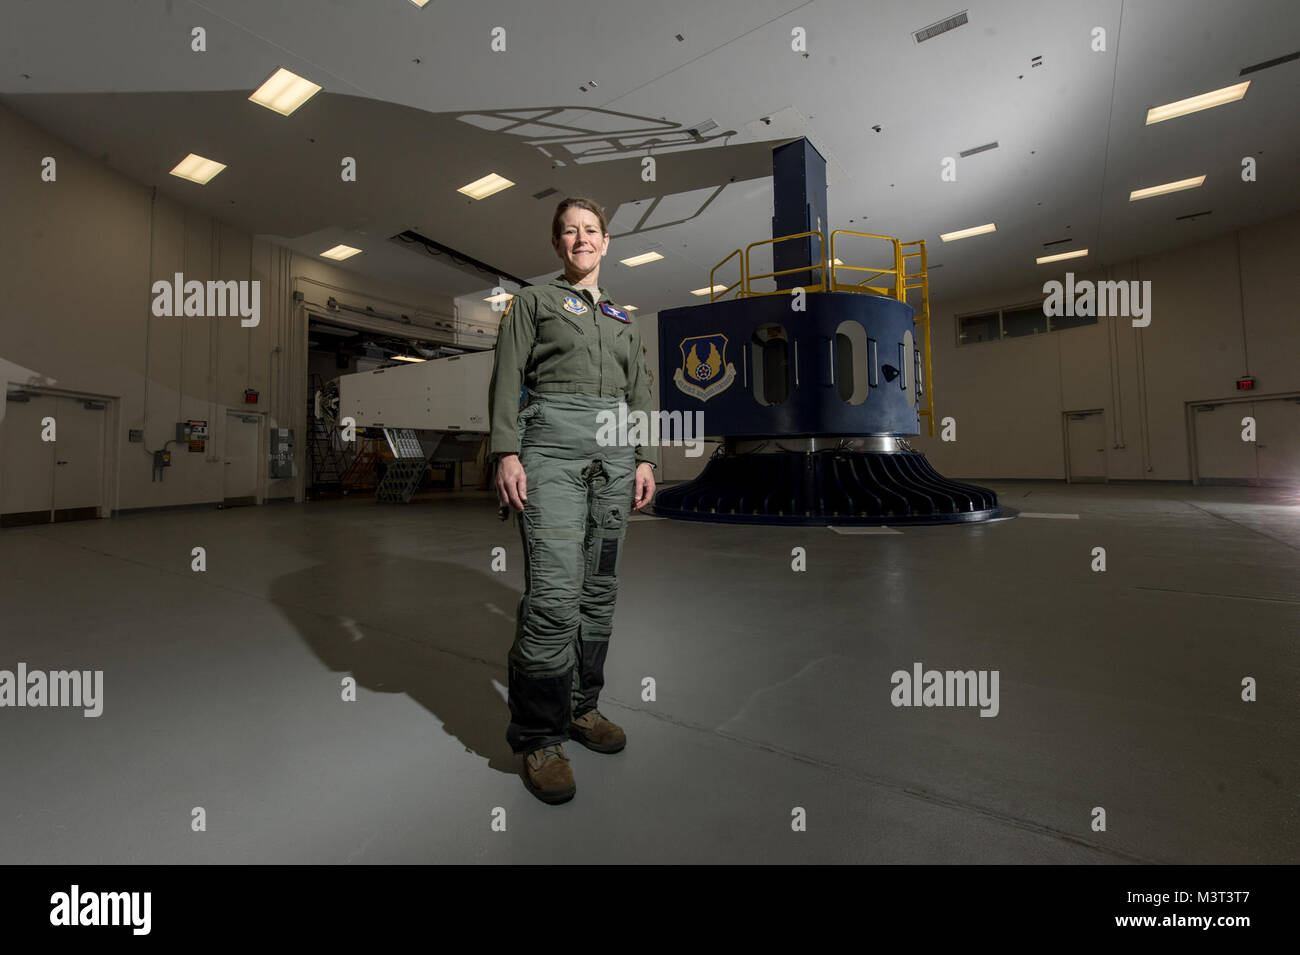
(810, 267)
(924, 321)
(712, 284)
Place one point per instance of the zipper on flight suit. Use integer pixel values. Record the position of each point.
(600, 348)
(576, 326)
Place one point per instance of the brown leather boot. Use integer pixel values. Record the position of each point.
(548, 776)
(595, 732)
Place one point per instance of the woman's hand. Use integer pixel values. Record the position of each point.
(512, 483)
(645, 485)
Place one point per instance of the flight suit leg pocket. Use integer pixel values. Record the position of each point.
(609, 526)
(530, 412)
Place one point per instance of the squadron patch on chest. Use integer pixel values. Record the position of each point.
(613, 312)
(574, 305)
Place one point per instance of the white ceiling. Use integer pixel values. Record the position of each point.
(425, 105)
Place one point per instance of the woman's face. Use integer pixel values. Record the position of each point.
(580, 244)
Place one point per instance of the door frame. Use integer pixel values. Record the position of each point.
(1065, 442)
(110, 462)
(1189, 419)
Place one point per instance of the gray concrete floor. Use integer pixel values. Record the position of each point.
(222, 689)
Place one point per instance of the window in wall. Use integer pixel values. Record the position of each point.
(1013, 322)
(1023, 321)
(978, 328)
(1071, 321)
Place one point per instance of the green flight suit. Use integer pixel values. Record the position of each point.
(579, 355)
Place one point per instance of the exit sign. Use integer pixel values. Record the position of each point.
(250, 396)
(1246, 384)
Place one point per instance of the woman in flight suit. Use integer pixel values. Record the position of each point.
(579, 355)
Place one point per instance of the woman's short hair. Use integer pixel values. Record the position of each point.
(578, 202)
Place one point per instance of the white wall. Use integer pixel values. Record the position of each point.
(1008, 397)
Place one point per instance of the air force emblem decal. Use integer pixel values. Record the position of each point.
(574, 305)
(701, 373)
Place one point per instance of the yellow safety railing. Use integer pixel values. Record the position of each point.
(739, 283)
(819, 267)
(893, 290)
(920, 279)
(902, 283)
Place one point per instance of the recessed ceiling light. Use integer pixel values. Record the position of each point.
(503, 297)
(284, 92)
(340, 252)
(966, 233)
(641, 259)
(629, 308)
(197, 169)
(1078, 254)
(709, 291)
(487, 186)
(420, 3)
(1194, 104)
(1168, 187)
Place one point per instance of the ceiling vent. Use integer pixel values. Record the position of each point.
(943, 26)
(545, 192)
(978, 149)
(699, 129)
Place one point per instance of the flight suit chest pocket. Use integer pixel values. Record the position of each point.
(548, 328)
(608, 529)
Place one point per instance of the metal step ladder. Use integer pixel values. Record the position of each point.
(324, 452)
(411, 456)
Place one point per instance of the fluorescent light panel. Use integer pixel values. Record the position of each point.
(641, 259)
(340, 252)
(708, 291)
(1060, 256)
(1168, 187)
(489, 185)
(966, 233)
(503, 297)
(284, 92)
(1194, 104)
(197, 169)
